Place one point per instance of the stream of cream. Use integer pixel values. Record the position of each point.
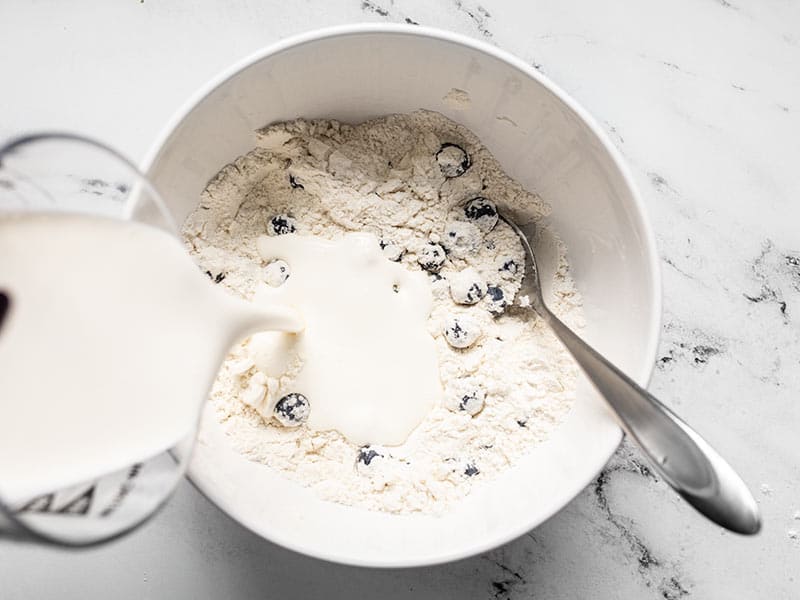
(110, 344)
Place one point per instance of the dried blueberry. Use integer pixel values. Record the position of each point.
(496, 299)
(431, 257)
(467, 286)
(281, 225)
(453, 160)
(276, 272)
(470, 470)
(461, 332)
(472, 403)
(465, 395)
(461, 238)
(482, 212)
(292, 410)
(294, 183)
(366, 454)
(392, 251)
(218, 278)
(507, 266)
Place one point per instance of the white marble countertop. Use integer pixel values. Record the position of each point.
(703, 99)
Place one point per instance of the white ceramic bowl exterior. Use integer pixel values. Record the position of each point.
(544, 141)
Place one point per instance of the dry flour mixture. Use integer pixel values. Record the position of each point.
(427, 189)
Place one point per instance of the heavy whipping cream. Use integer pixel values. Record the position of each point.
(110, 343)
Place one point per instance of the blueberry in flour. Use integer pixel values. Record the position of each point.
(467, 286)
(461, 238)
(218, 278)
(391, 251)
(281, 225)
(276, 272)
(453, 160)
(507, 266)
(462, 331)
(472, 403)
(366, 454)
(496, 299)
(292, 410)
(470, 470)
(482, 212)
(431, 257)
(465, 395)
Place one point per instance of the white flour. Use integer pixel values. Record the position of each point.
(503, 393)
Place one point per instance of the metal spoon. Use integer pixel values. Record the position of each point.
(684, 459)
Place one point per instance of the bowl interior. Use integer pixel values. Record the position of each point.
(543, 141)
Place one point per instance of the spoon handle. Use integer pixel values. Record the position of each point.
(683, 458)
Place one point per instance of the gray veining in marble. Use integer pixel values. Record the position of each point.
(702, 97)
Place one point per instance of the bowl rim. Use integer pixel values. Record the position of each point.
(642, 377)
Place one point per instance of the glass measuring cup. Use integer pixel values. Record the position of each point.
(68, 173)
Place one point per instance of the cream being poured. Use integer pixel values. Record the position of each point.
(108, 348)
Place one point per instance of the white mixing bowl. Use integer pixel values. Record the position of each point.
(545, 141)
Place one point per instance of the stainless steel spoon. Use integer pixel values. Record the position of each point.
(684, 459)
